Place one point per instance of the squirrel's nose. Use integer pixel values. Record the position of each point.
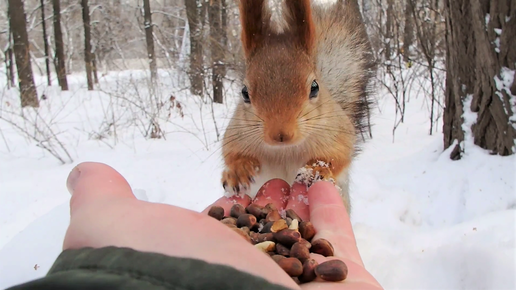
(282, 137)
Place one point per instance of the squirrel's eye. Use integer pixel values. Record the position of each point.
(245, 95)
(314, 90)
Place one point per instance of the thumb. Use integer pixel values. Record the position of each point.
(91, 181)
(329, 216)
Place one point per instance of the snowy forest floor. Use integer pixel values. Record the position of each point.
(421, 220)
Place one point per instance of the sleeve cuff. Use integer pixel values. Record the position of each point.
(125, 268)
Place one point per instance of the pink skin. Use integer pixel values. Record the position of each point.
(104, 212)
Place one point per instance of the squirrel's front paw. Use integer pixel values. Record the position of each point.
(239, 175)
(315, 171)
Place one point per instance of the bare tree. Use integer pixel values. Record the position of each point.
(45, 42)
(149, 37)
(59, 60)
(87, 43)
(9, 60)
(217, 45)
(480, 54)
(18, 26)
(427, 20)
(389, 29)
(94, 67)
(194, 16)
(408, 30)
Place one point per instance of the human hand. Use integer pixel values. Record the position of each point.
(327, 213)
(104, 212)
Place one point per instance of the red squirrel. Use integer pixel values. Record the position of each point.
(304, 97)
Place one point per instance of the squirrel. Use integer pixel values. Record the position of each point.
(304, 97)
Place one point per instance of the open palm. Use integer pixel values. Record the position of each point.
(105, 212)
(323, 206)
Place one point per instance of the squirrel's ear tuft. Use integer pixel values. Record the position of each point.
(254, 18)
(298, 15)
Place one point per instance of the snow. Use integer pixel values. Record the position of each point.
(469, 119)
(422, 221)
(503, 84)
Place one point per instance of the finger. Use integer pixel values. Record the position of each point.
(172, 231)
(227, 202)
(331, 220)
(275, 191)
(298, 201)
(91, 181)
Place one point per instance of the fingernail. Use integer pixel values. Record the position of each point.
(72, 179)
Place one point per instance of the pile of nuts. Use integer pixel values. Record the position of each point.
(287, 240)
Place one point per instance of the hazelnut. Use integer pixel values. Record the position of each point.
(287, 237)
(246, 220)
(237, 210)
(276, 258)
(282, 250)
(300, 251)
(259, 238)
(322, 247)
(216, 212)
(256, 210)
(307, 230)
(293, 215)
(291, 266)
(267, 228)
(305, 243)
(333, 271)
(308, 271)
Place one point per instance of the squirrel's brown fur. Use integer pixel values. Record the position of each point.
(281, 129)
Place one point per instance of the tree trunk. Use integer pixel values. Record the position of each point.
(150, 39)
(193, 14)
(9, 61)
(389, 29)
(58, 38)
(224, 34)
(45, 42)
(87, 43)
(479, 63)
(217, 50)
(94, 68)
(17, 23)
(408, 31)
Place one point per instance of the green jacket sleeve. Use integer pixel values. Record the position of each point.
(122, 268)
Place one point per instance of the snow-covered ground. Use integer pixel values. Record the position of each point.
(421, 220)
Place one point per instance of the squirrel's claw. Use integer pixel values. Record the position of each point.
(233, 187)
(239, 175)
